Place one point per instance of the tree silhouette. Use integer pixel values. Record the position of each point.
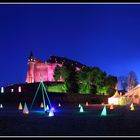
(132, 80)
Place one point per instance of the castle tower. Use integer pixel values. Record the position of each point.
(30, 72)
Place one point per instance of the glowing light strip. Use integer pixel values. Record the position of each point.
(43, 99)
(35, 95)
(47, 95)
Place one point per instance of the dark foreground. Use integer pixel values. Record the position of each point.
(68, 121)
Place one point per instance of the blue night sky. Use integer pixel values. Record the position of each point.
(102, 35)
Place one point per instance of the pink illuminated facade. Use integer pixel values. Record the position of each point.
(36, 68)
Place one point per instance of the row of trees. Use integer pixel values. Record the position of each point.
(129, 81)
(87, 80)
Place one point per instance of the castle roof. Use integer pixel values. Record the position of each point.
(31, 57)
(65, 61)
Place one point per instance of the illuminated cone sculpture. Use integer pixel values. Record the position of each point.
(111, 106)
(104, 112)
(132, 107)
(79, 105)
(86, 103)
(20, 106)
(41, 105)
(51, 113)
(102, 103)
(25, 110)
(1, 106)
(81, 109)
(47, 108)
(59, 104)
(44, 93)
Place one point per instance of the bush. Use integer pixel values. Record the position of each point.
(57, 88)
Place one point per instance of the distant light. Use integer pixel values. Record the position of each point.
(1, 106)
(79, 105)
(2, 89)
(12, 90)
(59, 104)
(19, 89)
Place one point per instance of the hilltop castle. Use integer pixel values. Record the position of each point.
(37, 68)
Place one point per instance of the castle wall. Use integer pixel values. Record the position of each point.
(36, 68)
(46, 70)
(30, 73)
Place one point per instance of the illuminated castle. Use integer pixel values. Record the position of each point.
(36, 68)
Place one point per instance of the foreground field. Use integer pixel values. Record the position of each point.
(68, 121)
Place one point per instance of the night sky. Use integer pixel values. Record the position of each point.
(102, 35)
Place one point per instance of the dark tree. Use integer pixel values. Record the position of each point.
(57, 72)
(111, 82)
(68, 73)
(123, 82)
(132, 80)
(72, 80)
(84, 81)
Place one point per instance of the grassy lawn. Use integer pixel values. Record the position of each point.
(61, 88)
(57, 88)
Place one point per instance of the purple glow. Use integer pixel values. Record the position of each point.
(53, 109)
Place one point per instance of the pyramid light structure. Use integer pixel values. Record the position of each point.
(132, 107)
(20, 106)
(79, 105)
(86, 103)
(47, 108)
(44, 94)
(102, 104)
(51, 113)
(111, 106)
(41, 105)
(104, 112)
(25, 110)
(81, 109)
